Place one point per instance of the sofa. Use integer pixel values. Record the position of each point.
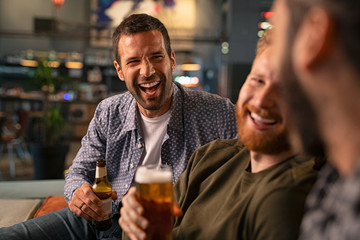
(23, 200)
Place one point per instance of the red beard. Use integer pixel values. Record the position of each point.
(270, 141)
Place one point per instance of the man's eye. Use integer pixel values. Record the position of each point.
(157, 57)
(258, 80)
(132, 62)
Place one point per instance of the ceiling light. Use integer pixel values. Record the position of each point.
(74, 65)
(190, 67)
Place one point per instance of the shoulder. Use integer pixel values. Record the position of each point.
(218, 151)
(222, 145)
(111, 113)
(294, 175)
(122, 99)
(119, 102)
(210, 163)
(302, 168)
(293, 182)
(203, 98)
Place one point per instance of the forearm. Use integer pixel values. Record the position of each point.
(82, 170)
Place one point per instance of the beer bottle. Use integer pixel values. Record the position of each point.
(102, 188)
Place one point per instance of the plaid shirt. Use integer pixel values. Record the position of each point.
(114, 134)
(333, 207)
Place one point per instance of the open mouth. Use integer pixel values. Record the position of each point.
(150, 87)
(261, 120)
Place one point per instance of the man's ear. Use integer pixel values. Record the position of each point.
(119, 71)
(315, 39)
(173, 61)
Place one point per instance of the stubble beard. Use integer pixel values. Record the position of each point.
(155, 103)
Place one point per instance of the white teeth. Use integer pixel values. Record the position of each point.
(149, 85)
(258, 118)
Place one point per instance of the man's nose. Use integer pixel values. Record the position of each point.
(265, 98)
(146, 68)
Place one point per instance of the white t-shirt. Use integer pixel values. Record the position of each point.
(154, 130)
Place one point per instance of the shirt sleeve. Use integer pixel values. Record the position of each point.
(181, 186)
(93, 147)
(199, 167)
(183, 194)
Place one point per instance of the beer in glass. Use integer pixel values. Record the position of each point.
(155, 193)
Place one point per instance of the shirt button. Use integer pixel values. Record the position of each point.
(132, 165)
(126, 186)
(139, 145)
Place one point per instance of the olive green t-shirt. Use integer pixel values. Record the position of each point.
(222, 200)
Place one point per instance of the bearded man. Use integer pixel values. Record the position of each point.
(317, 47)
(248, 188)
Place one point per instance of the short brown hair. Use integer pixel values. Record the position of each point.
(139, 23)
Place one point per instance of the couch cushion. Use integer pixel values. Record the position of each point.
(14, 211)
(51, 203)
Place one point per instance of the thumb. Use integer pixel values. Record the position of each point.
(114, 195)
(176, 210)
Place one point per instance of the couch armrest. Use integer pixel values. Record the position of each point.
(14, 211)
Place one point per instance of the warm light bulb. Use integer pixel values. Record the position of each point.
(58, 3)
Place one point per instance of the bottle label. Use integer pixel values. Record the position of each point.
(107, 207)
(100, 172)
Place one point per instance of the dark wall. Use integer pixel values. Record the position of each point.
(243, 19)
(238, 74)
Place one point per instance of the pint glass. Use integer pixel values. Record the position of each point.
(155, 193)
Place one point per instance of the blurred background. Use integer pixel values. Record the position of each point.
(56, 65)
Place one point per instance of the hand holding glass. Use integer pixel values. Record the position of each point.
(155, 193)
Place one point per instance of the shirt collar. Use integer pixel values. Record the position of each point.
(131, 118)
(177, 107)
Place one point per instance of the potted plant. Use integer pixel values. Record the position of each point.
(49, 149)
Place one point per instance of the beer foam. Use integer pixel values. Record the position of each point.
(145, 175)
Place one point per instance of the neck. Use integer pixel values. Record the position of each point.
(260, 161)
(157, 113)
(343, 142)
(152, 113)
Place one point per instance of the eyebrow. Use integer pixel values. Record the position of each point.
(135, 58)
(256, 74)
(156, 53)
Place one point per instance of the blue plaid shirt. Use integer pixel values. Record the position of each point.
(114, 134)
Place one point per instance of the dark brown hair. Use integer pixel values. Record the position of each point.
(139, 23)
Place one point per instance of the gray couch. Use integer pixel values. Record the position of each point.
(19, 200)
